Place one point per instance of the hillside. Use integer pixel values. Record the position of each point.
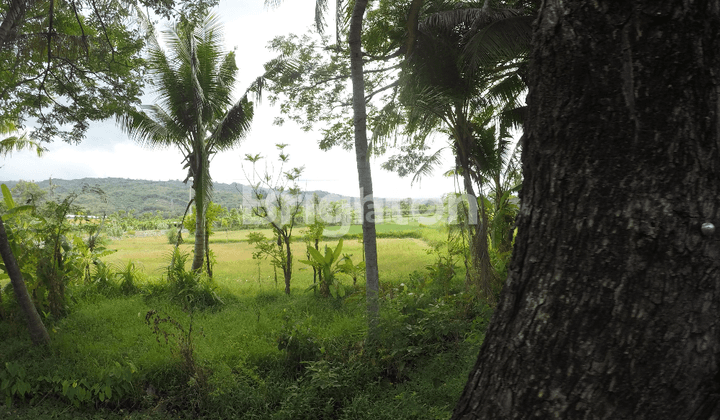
(141, 196)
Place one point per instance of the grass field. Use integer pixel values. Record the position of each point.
(261, 354)
(397, 257)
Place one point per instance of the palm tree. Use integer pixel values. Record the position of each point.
(460, 73)
(195, 113)
(499, 172)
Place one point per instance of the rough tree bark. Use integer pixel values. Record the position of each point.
(12, 20)
(363, 161)
(612, 305)
(38, 333)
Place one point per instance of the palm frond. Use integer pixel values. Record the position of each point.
(470, 16)
(156, 130)
(385, 124)
(428, 166)
(498, 40)
(19, 143)
(514, 117)
(234, 126)
(321, 7)
(507, 90)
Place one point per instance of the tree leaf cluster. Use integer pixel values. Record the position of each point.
(69, 62)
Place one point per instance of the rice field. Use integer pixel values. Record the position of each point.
(236, 270)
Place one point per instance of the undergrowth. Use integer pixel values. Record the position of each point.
(183, 346)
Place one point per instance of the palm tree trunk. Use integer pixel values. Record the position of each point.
(200, 207)
(363, 162)
(481, 275)
(208, 265)
(38, 333)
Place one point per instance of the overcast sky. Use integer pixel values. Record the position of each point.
(248, 25)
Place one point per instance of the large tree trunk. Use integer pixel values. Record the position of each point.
(612, 305)
(38, 333)
(363, 161)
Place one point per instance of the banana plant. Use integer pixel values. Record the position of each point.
(353, 270)
(329, 264)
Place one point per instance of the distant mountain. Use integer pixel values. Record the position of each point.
(110, 195)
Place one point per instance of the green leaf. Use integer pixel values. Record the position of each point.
(338, 250)
(328, 256)
(18, 209)
(9, 202)
(316, 255)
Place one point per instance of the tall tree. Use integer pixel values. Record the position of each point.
(611, 307)
(362, 155)
(196, 114)
(362, 159)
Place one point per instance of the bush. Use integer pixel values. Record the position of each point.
(130, 275)
(190, 289)
(172, 236)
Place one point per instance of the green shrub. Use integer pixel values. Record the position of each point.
(130, 276)
(192, 290)
(172, 236)
(116, 384)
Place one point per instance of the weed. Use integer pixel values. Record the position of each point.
(182, 347)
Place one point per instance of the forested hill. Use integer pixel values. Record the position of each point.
(109, 195)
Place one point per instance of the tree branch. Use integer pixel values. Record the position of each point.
(412, 26)
(49, 46)
(105, 31)
(347, 76)
(13, 17)
(82, 29)
(397, 53)
(382, 89)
